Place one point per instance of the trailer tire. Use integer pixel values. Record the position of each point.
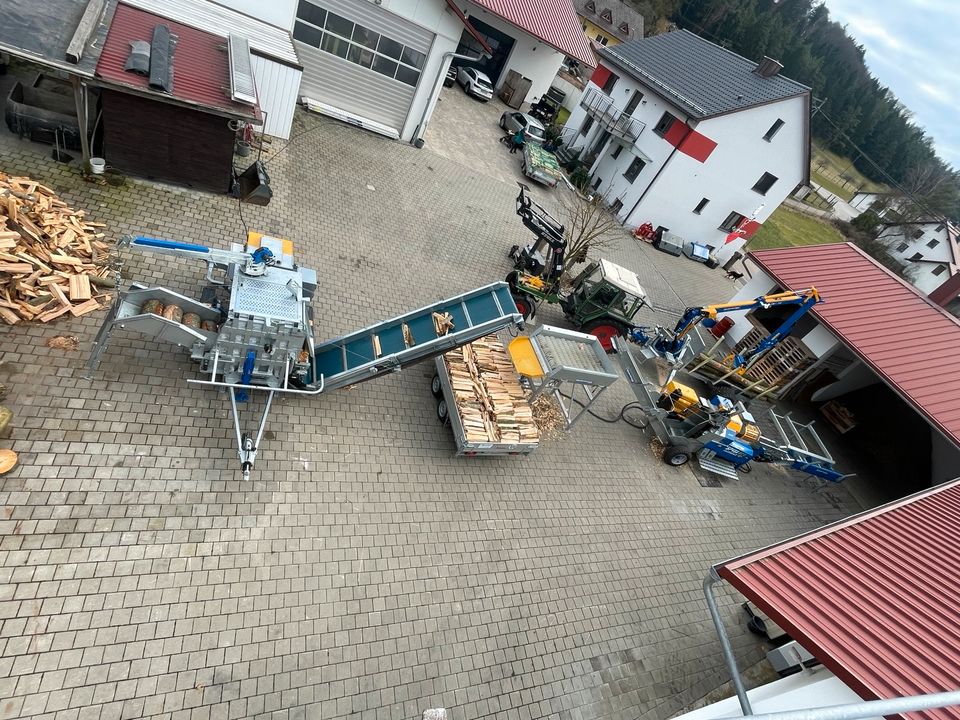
(524, 306)
(605, 330)
(435, 387)
(675, 456)
(442, 411)
(514, 251)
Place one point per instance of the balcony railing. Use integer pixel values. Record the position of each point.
(601, 108)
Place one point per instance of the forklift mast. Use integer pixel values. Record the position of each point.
(545, 256)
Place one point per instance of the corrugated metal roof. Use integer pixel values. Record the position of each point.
(911, 343)
(701, 78)
(555, 22)
(210, 17)
(875, 597)
(201, 74)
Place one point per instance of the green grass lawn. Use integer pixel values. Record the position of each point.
(832, 185)
(788, 228)
(834, 167)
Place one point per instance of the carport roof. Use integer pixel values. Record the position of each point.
(909, 341)
(554, 22)
(873, 597)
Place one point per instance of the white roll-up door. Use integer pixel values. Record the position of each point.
(360, 58)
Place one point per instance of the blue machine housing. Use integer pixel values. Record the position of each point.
(731, 448)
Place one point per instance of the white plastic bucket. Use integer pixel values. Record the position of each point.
(97, 165)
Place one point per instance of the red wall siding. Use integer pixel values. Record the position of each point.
(697, 146)
(600, 76)
(689, 141)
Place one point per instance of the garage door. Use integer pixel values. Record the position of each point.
(360, 58)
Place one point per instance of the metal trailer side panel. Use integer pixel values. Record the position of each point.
(464, 446)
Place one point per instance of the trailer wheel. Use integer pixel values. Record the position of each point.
(435, 387)
(514, 251)
(442, 411)
(675, 456)
(605, 330)
(524, 306)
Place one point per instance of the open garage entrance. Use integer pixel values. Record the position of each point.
(499, 42)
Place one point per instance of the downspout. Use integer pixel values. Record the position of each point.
(662, 168)
(708, 583)
(421, 126)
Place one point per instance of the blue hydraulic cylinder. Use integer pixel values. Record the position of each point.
(247, 374)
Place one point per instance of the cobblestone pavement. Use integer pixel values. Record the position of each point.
(363, 572)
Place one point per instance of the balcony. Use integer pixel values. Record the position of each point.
(601, 108)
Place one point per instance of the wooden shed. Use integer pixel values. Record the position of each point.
(178, 128)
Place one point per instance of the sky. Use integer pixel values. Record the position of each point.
(910, 48)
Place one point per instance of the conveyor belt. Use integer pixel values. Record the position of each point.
(351, 359)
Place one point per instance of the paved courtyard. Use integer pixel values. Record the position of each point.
(364, 572)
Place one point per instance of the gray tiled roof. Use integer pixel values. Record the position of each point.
(699, 77)
(620, 13)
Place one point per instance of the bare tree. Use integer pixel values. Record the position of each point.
(588, 225)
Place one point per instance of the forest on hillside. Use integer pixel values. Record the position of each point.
(859, 117)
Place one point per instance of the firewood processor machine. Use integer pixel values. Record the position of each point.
(261, 340)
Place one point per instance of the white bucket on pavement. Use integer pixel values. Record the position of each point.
(97, 165)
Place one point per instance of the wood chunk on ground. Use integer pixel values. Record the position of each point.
(52, 259)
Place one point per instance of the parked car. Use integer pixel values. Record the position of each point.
(475, 83)
(513, 121)
(451, 77)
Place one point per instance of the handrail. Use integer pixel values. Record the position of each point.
(600, 106)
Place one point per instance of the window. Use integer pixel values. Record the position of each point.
(367, 38)
(596, 183)
(603, 41)
(939, 269)
(616, 151)
(306, 34)
(390, 48)
(608, 85)
(701, 205)
(334, 45)
(765, 182)
(605, 14)
(339, 25)
(916, 257)
(902, 246)
(360, 56)
(918, 233)
(311, 14)
(587, 124)
(732, 221)
(623, 28)
(408, 75)
(384, 66)
(590, 7)
(940, 228)
(774, 129)
(616, 206)
(634, 102)
(933, 243)
(520, 119)
(635, 167)
(412, 57)
(666, 122)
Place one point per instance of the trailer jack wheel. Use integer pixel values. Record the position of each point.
(675, 456)
(514, 251)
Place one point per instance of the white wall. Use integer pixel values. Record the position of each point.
(275, 12)
(726, 178)
(573, 93)
(728, 175)
(277, 92)
(921, 273)
(528, 56)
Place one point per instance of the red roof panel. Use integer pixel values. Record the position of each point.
(201, 73)
(910, 342)
(875, 598)
(555, 22)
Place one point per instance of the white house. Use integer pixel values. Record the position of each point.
(927, 247)
(380, 63)
(688, 136)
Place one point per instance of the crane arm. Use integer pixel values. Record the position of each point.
(751, 356)
(695, 315)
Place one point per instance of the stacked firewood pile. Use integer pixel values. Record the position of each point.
(491, 403)
(52, 259)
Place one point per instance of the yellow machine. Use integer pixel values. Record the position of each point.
(683, 402)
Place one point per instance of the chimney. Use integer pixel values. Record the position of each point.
(768, 67)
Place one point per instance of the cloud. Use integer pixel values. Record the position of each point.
(865, 27)
(937, 93)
